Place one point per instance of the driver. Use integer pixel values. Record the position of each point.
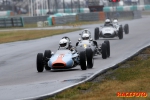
(85, 36)
(108, 22)
(64, 44)
(86, 31)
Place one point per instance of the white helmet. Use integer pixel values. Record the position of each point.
(86, 31)
(115, 21)
(107, 21)
(85, 36)
(64, 43)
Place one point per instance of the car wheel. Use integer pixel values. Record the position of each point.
(39, 62)
(104, 51)
(126, 28)
(108, 48)
(96, 34)
(89, 57)
(120, 33)
(83, 60)
(47, 54)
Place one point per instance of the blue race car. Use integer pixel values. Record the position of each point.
(62, 59)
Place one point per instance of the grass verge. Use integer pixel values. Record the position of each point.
(131, 76)
(77, 23)
(11, 36)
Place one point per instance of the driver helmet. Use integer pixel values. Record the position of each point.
(86, 31)
(64, 43)
(115, 21)
(107, 21)
(85, 36)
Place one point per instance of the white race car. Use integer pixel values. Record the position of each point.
(111, 30)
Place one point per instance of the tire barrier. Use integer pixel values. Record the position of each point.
(11, 22)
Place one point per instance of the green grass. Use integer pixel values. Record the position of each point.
(30, 25)
(78, 23)
(131, 76)
(11, 36)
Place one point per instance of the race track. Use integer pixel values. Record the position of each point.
(19, 78)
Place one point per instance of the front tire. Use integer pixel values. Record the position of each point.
(89, 56)
(39, 62)
(104, 51)
(83, 60)
(47, 54)
(96, 33)
(108, 48)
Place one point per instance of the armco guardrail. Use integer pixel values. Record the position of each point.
(31, 20)
(124, 14)
(137, 14)
(11, 22)
(65, 19)
(93, 16)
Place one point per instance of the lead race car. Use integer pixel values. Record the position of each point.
(86, 43)
(62, 59)
(111, 30)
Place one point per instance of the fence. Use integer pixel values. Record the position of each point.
(31, 20)
(125, 14)
(64, 19)
(92, 16)
(11, 22)
(95, 16)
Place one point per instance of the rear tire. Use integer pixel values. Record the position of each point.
(104, 51)
(120, 33)
(39, 62)
(89, 56)
(83, 60)
(126, 29)
(96, 34)
(47, 54)
(108, 48)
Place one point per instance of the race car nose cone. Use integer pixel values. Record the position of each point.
(58, 65)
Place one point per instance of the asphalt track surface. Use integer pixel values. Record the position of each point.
(19, 78)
